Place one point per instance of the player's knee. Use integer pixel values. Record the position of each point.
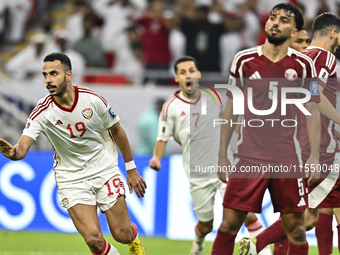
(123, 236)
(95, 241)
(298, 234)
(229, 227)
(206, 228)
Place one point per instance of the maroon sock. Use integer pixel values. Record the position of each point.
(223, 244)
(274, 233)
(324, 234)
(301, 249)
(281, 248)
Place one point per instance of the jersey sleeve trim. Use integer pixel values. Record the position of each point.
(165, 108)
(40, 108)
(89, 91)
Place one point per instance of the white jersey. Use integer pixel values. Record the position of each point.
(80, 137)
(183, 119)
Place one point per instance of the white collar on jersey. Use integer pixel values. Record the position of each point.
(259, 50)
(180, 94)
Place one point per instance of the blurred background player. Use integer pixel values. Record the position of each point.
(300, 41)
(148, 128)
(245, 191)
(81, 127)
(181, 119)
(325, 194)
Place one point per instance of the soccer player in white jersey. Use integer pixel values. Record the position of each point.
(82, 128)
(181, 118)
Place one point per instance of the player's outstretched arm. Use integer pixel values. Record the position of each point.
(313, 124)
(327, 109)
(133, 178)
(18, 151)
(226, 133)
(158, 153)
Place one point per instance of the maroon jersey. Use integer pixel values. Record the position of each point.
(275, 140)
(325, 65)
(155, 40)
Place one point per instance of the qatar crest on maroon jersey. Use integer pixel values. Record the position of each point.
(290, 74)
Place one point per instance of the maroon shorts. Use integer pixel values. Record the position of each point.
(246, 194)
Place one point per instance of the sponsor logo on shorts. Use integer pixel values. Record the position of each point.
(87, 113)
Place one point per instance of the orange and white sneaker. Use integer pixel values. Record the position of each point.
(136, 247)
(195, 249)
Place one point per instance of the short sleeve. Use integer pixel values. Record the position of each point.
(165, 125)
(108, 116)
(32, 129)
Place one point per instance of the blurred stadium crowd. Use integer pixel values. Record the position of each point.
(134, 41)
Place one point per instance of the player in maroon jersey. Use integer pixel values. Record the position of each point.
(325, 194)
(269, 144)
(300, 41)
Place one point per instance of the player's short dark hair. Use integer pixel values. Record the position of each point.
(185, 59)
(325, 23)
(64, 60)
(290, 9)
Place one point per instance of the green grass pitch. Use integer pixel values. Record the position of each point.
(43, 243)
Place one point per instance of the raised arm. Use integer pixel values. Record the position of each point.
(133, 178)
(17, 151)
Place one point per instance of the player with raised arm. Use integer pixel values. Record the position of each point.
(81, 127)
(181, 118)
(325, 194)
(269, 145)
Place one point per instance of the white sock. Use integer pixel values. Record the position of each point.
(199, 238)
(108, 249)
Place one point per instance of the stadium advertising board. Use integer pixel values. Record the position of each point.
(29, 200)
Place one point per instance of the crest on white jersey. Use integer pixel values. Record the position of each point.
(87, 113)
(290, 74)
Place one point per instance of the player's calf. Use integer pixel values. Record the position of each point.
(107, 249)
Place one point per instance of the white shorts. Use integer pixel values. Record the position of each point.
(323, 189)
(203, 197)
(93, 192)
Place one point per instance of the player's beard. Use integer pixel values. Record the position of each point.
(335, 45)
(63, 88)
(276, 40)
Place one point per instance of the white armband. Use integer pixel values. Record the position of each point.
(130, 165)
